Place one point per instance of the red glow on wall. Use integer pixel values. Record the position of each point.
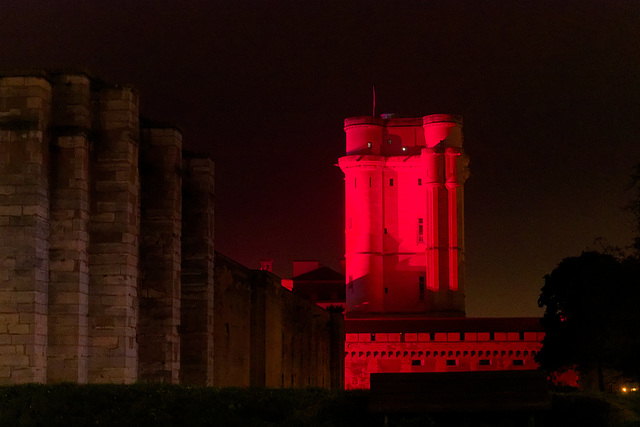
(367, 353)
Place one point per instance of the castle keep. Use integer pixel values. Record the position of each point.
(108, 271)
(404, 253)
(107, 265)
(404, 215)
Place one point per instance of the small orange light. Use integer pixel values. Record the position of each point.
(624, 389)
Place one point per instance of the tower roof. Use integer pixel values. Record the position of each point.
(320, 274)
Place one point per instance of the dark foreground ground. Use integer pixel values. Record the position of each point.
(165, 405)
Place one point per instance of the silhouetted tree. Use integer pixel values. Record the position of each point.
(627, 336)
(592, 315)
(634, 206)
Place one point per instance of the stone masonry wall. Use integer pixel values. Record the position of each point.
(269, 337)
(438, 352)
(25, 115)
(312, 352)
(160, 254)
(69, 239)
(114, 230)
(232, 323)
(196, 315)
(107, 255)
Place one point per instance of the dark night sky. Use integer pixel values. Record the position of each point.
(550, 95)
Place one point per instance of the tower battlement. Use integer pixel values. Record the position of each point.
(401, 136)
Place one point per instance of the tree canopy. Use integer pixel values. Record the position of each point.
(634, 206)
(592, 315)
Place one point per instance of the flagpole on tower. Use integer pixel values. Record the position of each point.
(374, 100)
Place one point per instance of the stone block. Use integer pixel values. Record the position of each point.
(35, 102)
(7, 189)
(16, 360)
(63, 345)
(107, 342)
(12, 81)
(39, 211)
(67, 265)
(22, 297)
(37, 84)
(15, 210)
(26, 375)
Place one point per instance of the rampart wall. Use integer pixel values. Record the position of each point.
(368, 353)
(107, 255)
(270, 337)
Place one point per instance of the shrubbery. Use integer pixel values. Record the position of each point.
(151, 405)
(168, 405)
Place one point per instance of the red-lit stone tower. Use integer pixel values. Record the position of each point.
(404, 223)
(404, 232)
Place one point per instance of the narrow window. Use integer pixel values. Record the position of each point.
(416, 362)
(451, 362)
(461, 336)
(421, 288)
(491, 336)
(432, 336)
(420, 230)
(373, 337)
(518, 362)
(419, 181)
(369, 144)
(386, 290)
(390, 182)
(385, 231)
(485, 362)
(369, 181)
(521, 336)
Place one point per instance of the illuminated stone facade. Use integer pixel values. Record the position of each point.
(438, 345)
(404, 230)
(404, 253)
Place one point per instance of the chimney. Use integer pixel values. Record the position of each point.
(266, 264)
